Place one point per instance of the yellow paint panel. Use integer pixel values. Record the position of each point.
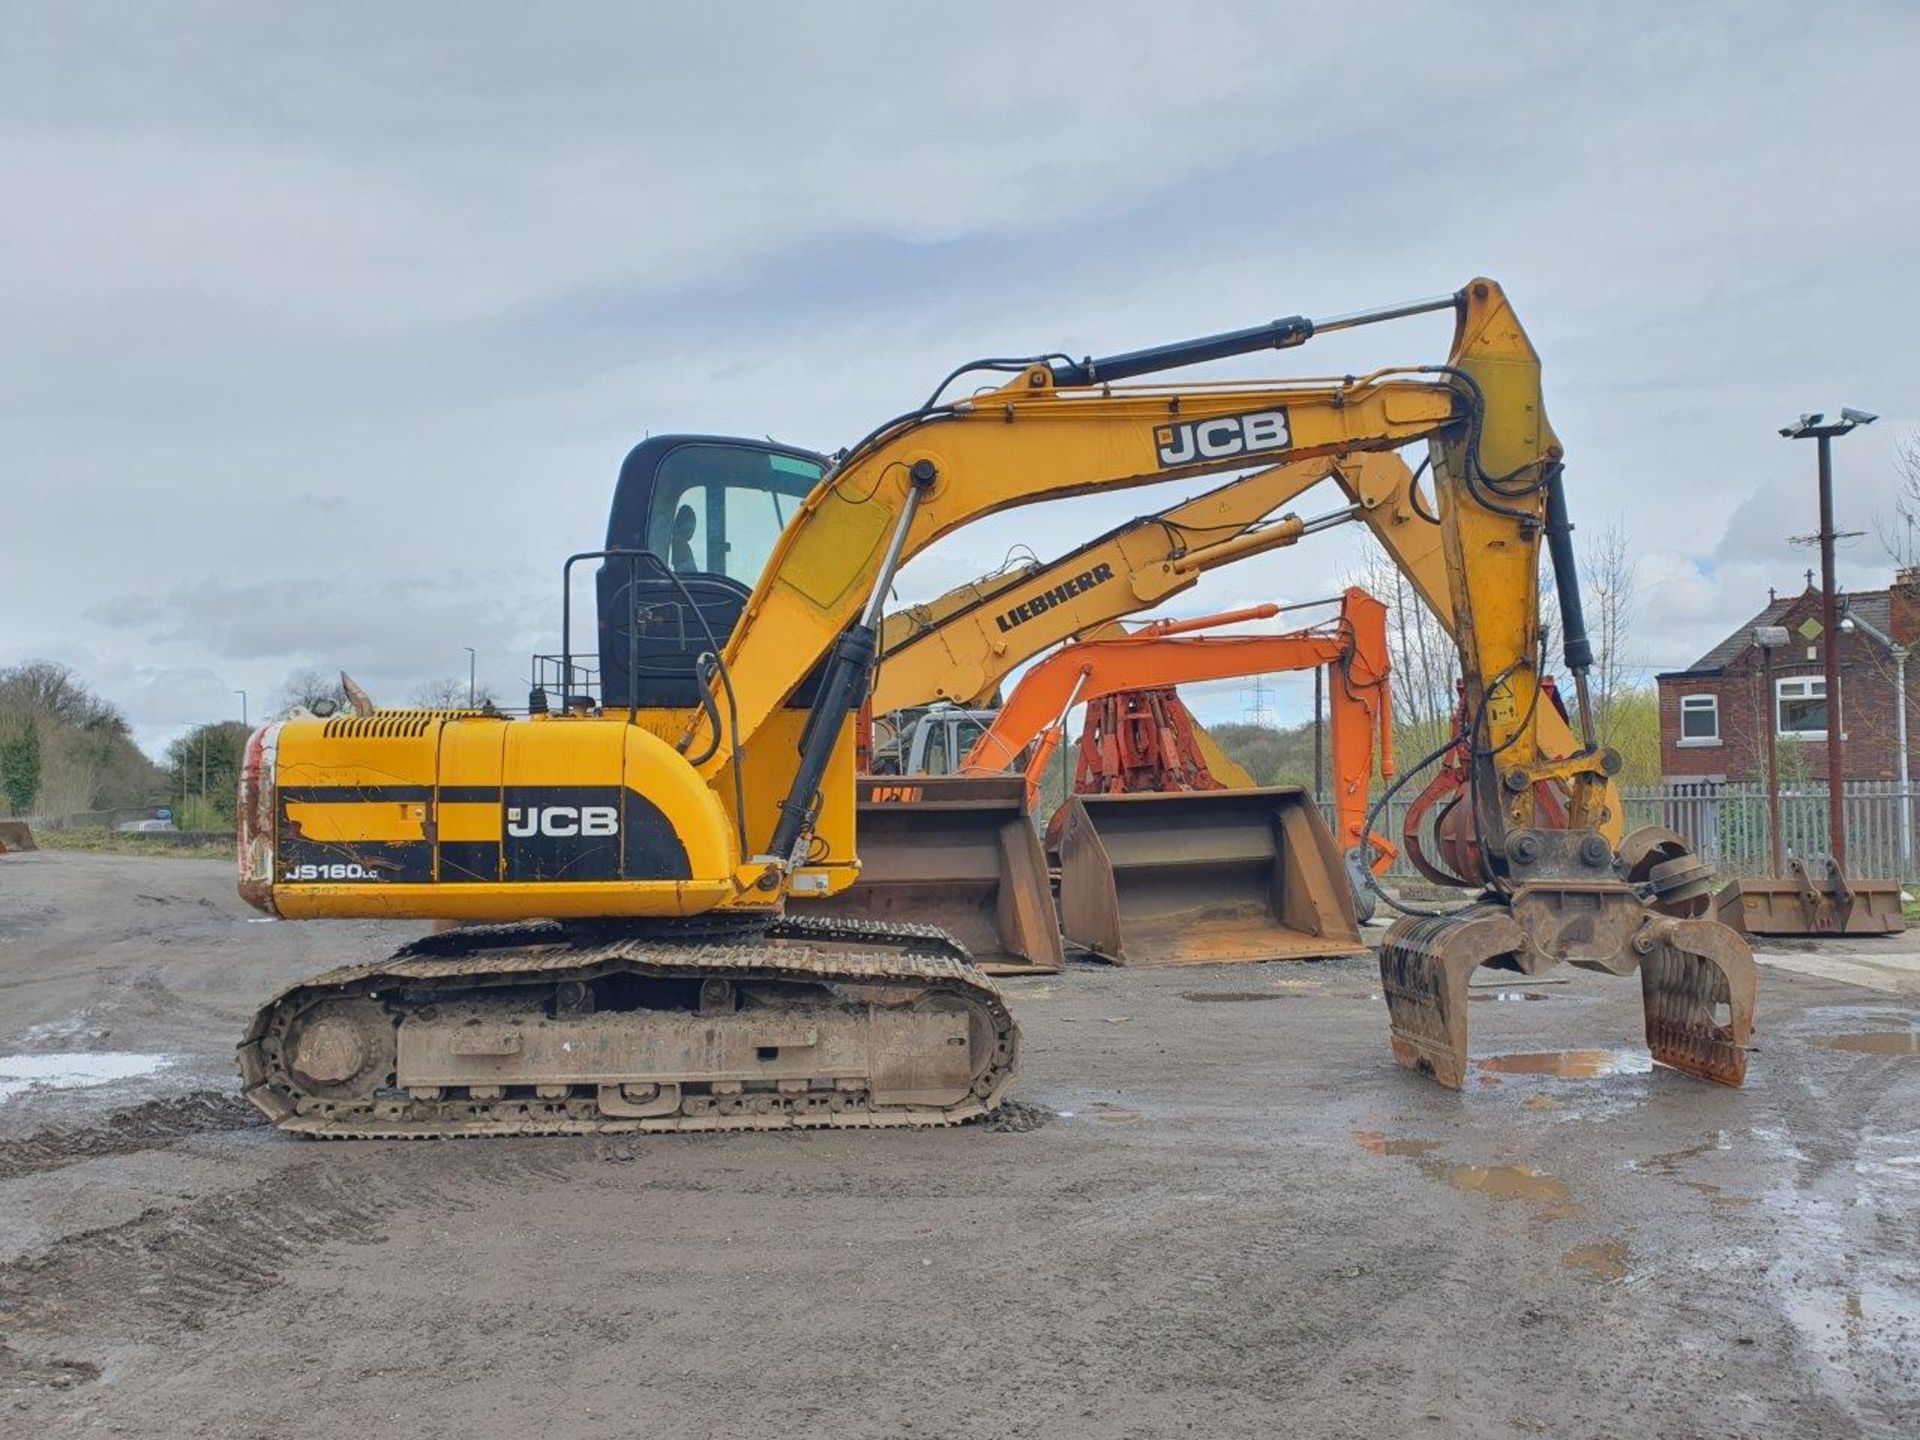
(463, 820)
(349, 821)
(832, 553)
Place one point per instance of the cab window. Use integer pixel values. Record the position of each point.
(719, 509)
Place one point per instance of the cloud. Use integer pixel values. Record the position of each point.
(327, 338)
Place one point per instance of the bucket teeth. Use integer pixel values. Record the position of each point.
(1697, 984)
(1425, 964)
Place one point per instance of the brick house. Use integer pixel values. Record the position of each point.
(1711, 713)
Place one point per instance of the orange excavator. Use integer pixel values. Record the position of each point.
(960, 851)
(1201, 873)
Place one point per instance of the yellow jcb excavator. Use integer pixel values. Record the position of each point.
(661, 832)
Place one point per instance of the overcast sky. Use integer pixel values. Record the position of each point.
(328, 326)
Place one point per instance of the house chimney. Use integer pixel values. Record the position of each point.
(1907, 578)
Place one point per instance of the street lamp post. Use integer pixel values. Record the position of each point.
(1899, 652)
(243, 705)
(1816, 427)
(471, 691)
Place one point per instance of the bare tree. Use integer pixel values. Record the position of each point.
(1897, 533)
(451, 694)
(1610, 572)
(310, 688)
(53, 692)
(1426, 666)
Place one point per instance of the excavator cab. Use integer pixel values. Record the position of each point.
(693, 522)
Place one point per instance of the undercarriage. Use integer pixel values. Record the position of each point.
(545, 1029)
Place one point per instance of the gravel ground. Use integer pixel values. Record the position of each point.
(1217, 1209)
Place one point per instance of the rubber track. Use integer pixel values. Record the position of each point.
(480, 957)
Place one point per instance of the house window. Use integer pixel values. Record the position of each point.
(1699, 719)
(1800, 707)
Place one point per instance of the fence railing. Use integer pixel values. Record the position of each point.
(1727, 823)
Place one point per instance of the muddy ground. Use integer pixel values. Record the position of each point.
(1236, 1217)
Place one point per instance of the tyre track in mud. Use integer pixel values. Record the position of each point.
(126, 1132)
(173, 1269)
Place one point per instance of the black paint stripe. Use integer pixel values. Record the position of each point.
(468, 862)
(470, 794)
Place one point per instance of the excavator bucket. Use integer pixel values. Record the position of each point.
(958, 852)
(1204, 877)
(1696, 974)
(1817, 898)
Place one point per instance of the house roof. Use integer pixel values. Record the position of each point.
(1872, 606)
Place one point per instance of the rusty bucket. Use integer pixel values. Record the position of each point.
(1204, 877)
(959, 852)
(1817, 898)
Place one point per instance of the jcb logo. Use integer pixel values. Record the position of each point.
(1222, 437)
(562, 821)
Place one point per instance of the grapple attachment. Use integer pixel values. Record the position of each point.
(1816, 898)
(1569, 906)
(957, 852)
(1204, 877)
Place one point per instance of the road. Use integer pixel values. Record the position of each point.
(1220, 1210)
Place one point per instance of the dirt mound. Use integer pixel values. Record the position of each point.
(1016, 1117)
(143, 1127)
(15, 835)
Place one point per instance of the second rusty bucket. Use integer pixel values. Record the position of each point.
(1204, 877)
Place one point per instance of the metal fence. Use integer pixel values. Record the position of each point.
(1727, 823)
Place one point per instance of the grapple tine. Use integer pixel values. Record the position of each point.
(1425, 963)
(1697, 984)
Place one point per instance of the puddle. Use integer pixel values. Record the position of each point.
(72, 1070)
(1501, 1182)
(1605, 1261)
(1517, 1182)
(1232, 995)
(1670, 1161)
(1718, 1197)
(1874, 1042)
(1569, 1064)
(1375, 1143)
(1505, 995)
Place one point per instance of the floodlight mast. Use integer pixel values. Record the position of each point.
(1815, 426)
